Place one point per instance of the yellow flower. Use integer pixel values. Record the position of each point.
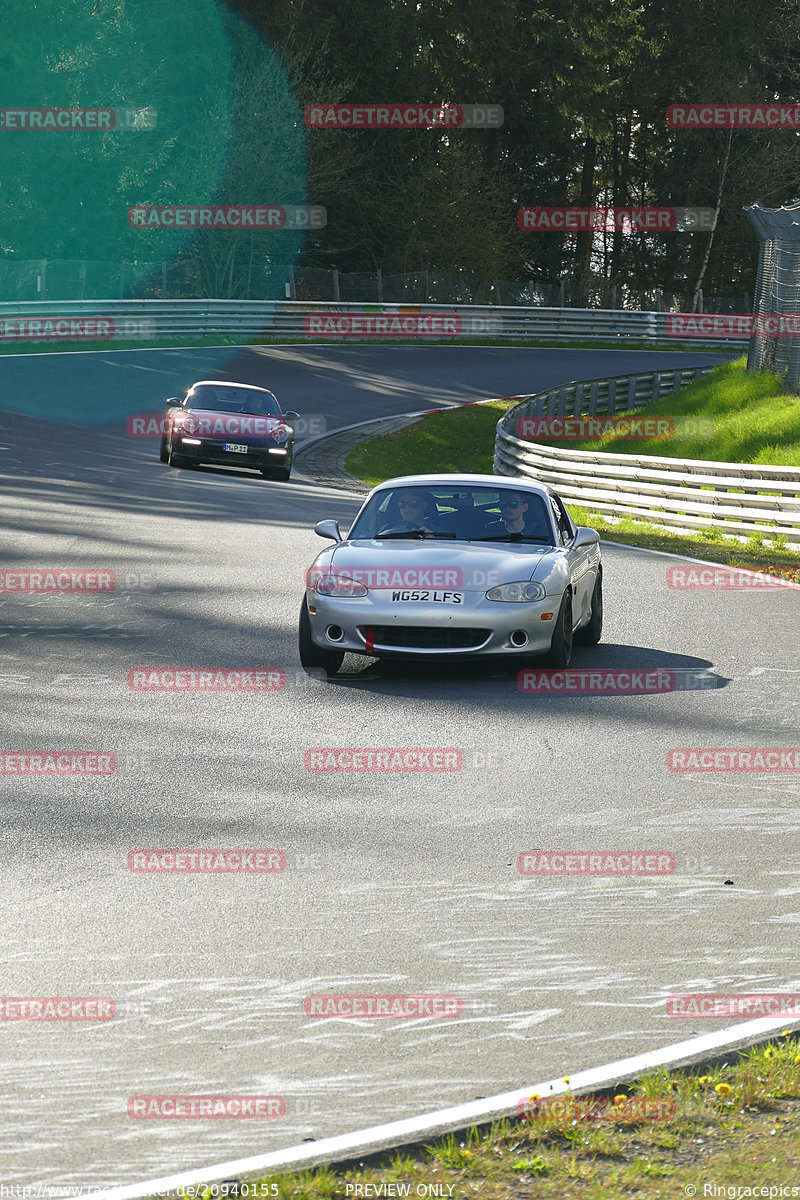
(723, 1089)
(704, 1079)
(620, 1099)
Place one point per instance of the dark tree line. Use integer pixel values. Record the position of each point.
(584, 88)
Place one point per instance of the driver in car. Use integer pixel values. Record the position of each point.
(415, 510)
(514, 519)
(254, 403)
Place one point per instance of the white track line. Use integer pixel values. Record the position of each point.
(361, 1142)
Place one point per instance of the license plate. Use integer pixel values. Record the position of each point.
(433, 597)
(235, 447)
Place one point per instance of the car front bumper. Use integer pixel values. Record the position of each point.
(257, 458)
(377, 626)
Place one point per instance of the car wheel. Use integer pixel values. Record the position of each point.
(175, 460)
(163, 455)
(560, 652)
(314, 657)
(590, 634)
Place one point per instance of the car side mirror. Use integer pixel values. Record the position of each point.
(585, 537)
(291, 415)
(173, 402)
(327, 529)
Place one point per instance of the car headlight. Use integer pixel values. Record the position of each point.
(518, 593)
(340, 586)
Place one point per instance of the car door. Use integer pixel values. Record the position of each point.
(581, 561)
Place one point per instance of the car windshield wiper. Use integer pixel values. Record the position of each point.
(418, 534)
(513, 537)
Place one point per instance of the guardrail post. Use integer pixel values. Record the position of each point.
(611, 401)
(593, 390)
(632, 392)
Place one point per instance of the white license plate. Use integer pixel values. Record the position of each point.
(434, 597)
(235, 447)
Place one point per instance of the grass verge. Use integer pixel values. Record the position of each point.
(725, 416)
(712, 422)
(733, 1125)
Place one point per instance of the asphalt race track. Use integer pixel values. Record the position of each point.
(394, 883)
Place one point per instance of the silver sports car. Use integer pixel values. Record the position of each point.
(453, 565)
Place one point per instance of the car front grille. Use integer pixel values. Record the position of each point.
(428, 637)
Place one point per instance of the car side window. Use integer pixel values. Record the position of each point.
(565, 527)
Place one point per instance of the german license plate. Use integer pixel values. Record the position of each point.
(434, 597)
(237, 449)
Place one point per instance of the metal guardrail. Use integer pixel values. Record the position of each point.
(737, 498)
(148, 319)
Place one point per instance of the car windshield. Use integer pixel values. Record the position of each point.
(232, 400)
(464, 514)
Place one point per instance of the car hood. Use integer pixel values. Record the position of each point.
(463, 566)
(213, 423)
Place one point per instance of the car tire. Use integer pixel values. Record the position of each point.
(163, 454)
(175, 460)
(314, 658)
(560, 652)
(590, 634)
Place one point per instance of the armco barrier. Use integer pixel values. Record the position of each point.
(737, 498)
(148, 319)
